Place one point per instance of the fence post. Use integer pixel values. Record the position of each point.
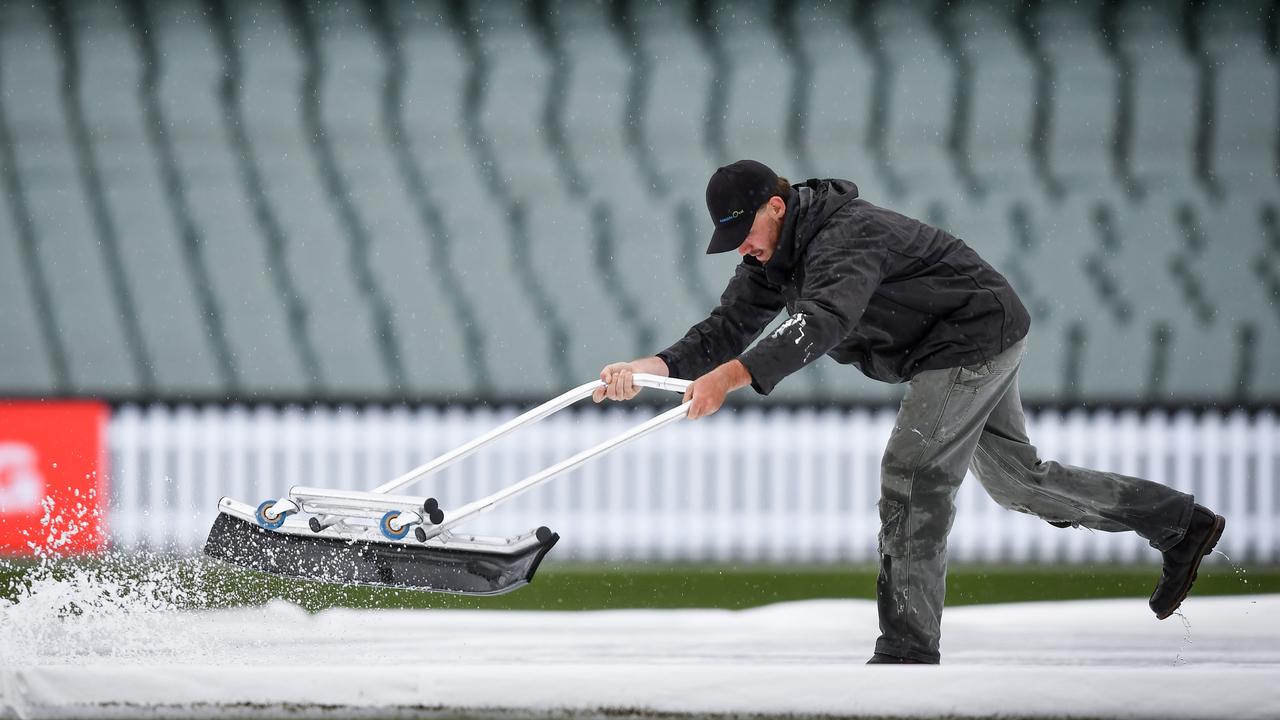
(1267, 451)
(1237, 483)
(186, 512)
(156, 442)
(123, 435)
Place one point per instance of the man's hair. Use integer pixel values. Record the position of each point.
(782, 189)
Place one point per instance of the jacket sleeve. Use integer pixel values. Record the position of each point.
(747, 305)
(842, 271)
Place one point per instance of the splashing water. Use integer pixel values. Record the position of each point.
(61, 609)
(65, 612)
(1238, 570)
(1181, 659)
(147, 607)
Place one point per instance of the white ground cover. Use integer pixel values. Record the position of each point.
(1053, 659)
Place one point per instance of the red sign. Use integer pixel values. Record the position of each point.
(53, 477)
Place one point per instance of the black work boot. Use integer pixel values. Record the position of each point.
(1183, 560)
(884, 659)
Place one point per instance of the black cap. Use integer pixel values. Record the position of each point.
(734, 193)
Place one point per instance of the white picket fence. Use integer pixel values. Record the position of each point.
(752, 485)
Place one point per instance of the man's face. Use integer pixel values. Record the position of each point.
(762, 240)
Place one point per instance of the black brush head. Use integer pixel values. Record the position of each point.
(404, 566)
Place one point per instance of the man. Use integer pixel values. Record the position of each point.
(903, 302)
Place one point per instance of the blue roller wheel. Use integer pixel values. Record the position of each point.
(385, 526)
(268, 522)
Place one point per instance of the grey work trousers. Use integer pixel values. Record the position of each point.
(971, 416)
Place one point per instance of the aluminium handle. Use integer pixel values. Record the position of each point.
(657, 382)
(538, 413)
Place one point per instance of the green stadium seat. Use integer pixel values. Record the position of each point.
(1126, 354)
(1003, 96)
(598, 102)
(1082, 102)
(1244, 331)
(1245, 139)
(340, 317)
(267, 360)
(759, 86)
(1055, 284)
(562, 238)
(921, 102)
(87, 312)
(401, 258)
(837, 117)
(26, 363)
(176, 339)
(679, 81)
(1164, 101)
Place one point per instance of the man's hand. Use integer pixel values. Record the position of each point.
(707, 393)
(619, 378)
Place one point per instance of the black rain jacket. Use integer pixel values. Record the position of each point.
(863, 284)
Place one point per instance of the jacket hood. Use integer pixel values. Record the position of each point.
(810, 205)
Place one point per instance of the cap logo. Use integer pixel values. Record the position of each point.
(732, 215)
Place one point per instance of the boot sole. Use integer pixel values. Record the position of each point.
(1211, 541)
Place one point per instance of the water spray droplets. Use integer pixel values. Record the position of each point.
(63, 609)
(1181, 659)
(1239, 571)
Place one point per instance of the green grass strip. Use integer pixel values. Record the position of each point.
(194, 582)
